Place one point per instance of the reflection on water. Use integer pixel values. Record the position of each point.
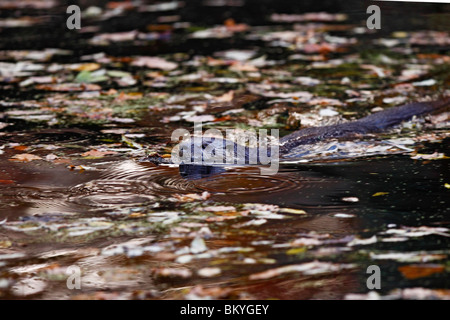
(196, 172)
(404, 186)
(394, 191)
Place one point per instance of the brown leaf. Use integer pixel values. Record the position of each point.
(220, 218)
(69, 87)
(97, 154)
(154, 63)
(63, 161)
(227, 97)
(212, 292)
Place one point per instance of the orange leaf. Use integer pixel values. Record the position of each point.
(420, 271)
(25, 157)
(20, 148)
(128, 96)
(225, 118)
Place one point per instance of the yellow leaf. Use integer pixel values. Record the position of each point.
(380, 194)
(87, 67)
(295, 251)
(292, 211)
(5, 244)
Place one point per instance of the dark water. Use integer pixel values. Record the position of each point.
(415, 197)
(129, 224)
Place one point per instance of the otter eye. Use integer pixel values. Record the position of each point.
(206, 143)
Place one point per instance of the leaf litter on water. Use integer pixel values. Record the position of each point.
(321, 74)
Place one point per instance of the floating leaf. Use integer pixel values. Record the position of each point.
(26, 157)
(433, 156)
(198, 245)
(296, 251)
(292, 211)
(219, 209)
(420, 270)
(183, 273)
(310, 268)
(29, 286)
(94, 154)
(209, 272)
(378, 194)
(154, 63)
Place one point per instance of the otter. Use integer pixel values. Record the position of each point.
(374, 123)
(289, 144)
